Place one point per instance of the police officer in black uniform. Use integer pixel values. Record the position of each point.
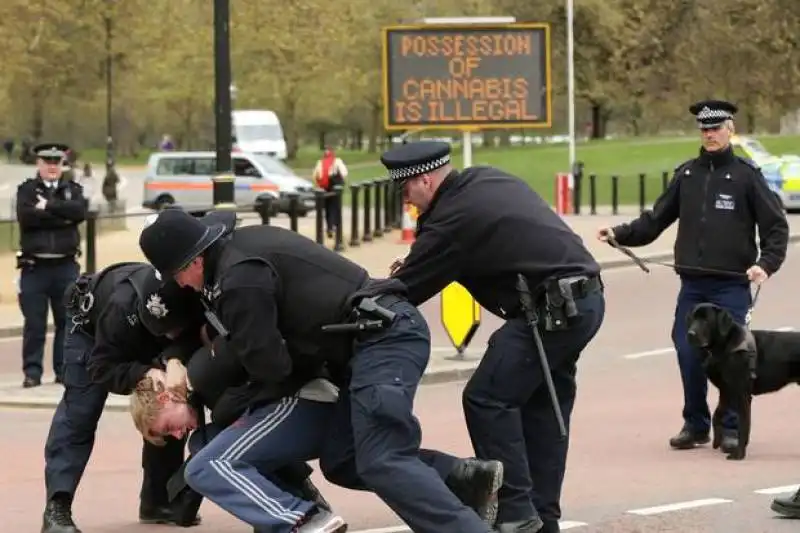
(718, 199)
(49, 209)
(484, 228)
(122, 320)
(276, 292)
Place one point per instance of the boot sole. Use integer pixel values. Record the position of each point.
(689, 445)
(167, 522)
(783, 510)
(488, 512)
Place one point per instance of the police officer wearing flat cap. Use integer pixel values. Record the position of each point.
(125, 323)
(718, 199)
(49, 209)
(276, 292)
(483, 228)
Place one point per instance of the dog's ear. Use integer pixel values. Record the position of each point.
(724, 323)
(696, 313)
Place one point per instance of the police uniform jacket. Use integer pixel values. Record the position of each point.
(54, 229)
(273, 290)
(482, 229)
(718, 199)
(124, 349)
(220, 383)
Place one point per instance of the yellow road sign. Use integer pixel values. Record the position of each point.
(460, 315)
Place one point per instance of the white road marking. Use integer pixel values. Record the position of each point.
(568, 524)
(648, 353)
(778, 490)
(564, 524)
(680, 506)
(664, 351)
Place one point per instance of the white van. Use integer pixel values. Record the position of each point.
(258, 132)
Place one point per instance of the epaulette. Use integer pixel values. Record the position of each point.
(749, 162)
(683, 168)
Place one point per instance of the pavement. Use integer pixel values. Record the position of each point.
(622, 477)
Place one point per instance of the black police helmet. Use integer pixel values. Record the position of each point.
(165, 307)
(174, 238)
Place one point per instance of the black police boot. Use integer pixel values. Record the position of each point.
(58, 516)
(788, 507)
(476, 483)
(163, 514)
(29, 383)
(730, 441)
(688, 439)
(532, 525)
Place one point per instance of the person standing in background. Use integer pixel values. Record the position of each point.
(49, 209)
(329, 172)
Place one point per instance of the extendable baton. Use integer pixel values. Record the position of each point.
(526, 299)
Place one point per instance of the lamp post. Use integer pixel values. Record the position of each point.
(223, 89)
(109, 86)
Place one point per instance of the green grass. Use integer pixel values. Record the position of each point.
(539, 164)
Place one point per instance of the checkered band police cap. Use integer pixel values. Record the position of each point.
(712, 113)
(719, 115)
(414, 159)
(400, 174)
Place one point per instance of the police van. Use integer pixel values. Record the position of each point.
(184, 179)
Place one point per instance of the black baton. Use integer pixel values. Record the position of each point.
(526, 299)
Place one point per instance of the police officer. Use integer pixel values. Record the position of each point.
(482, 228)
(718, 199)
(275, 291)
(49, 209)
(121, 320)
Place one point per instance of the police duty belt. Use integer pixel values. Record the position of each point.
(642, 263)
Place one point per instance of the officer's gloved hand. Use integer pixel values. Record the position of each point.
(605, 234)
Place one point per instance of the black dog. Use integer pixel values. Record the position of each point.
(741, 364)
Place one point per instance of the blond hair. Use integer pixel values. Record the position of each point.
(145, 407)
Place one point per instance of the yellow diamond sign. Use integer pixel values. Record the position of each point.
(460, 314)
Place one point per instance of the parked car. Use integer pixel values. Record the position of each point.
(184, 179)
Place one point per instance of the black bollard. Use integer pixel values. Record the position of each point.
(387, 206)
(614, 195)
(263, 207)
(367, 237)
(642, 192)
(378, 231)
(319, 209)
(354, 189)
(592, 194)
(294, 205)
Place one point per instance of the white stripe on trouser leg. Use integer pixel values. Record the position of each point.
(254, 494)
(242, 445)
(246, 440)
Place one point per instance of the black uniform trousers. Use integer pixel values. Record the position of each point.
(375, 441)
(72, 432)
(509, 413)
(42, 287)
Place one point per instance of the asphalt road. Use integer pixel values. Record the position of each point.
(622, 476)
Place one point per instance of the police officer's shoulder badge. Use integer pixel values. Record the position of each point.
(155, 306)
